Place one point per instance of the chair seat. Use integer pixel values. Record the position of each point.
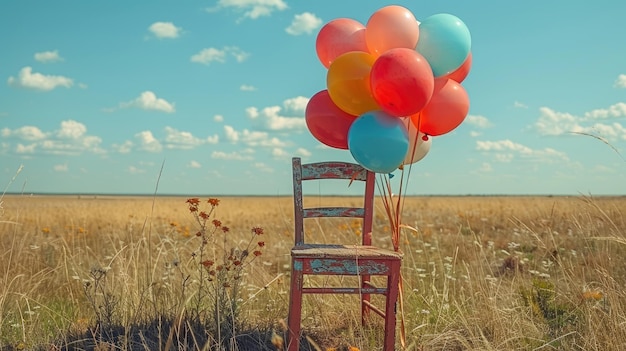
(343, 251)
(344, 259)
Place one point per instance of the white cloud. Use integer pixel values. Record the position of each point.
(620, 82)
(617, 110)
(252, 9)
(238, 156)
(304, 23)
(32, 80)
(218, 118)
(297, 104)
(26, 133)
(123, 148)
(231, 134)
(518, 104)
(208, 55)
(478, 121)
(246, 87)
(70, 139)
(551, 122)
(25, 149)
(71, 129)
(148, 142)
(48, 56)
(303, 152)
(252, 112)
(61, 168)
(163, 30)
(271, 118)
(149, 101)
(507, 150)
(194, 164)
(135, 170)
(485, 168)
(180, 140)
(263, 167)
(252, 138)
(278, 152)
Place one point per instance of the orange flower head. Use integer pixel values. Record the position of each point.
(193, 201)
(214, 202)
(257, 253)
(225, 229)
(217, 223)
(257, 230)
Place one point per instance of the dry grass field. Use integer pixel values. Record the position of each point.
(479, 273)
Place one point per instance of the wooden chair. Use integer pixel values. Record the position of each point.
(362, 260)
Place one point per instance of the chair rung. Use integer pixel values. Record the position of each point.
(344, 291)
(376, 310)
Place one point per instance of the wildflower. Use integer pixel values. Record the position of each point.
(214, 202)
(217, 223)
(257, 230)
(207, 263)
(203, 215)
(199, 233)
(225, 229)
(592, 295)
(261, 243)
(257, 253)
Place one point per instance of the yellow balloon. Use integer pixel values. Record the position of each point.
(348, 82)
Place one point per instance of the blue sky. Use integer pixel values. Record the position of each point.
(97, 96)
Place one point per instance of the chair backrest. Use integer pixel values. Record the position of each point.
(332, 170)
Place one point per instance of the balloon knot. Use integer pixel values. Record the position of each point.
(425, 137)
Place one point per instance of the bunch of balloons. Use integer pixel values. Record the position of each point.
(391, 84)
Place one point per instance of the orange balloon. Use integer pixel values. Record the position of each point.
(459, 74)
(348, 83)
(338, 37)
(446, 110)
(391, 27)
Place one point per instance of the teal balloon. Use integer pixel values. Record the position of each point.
(378, 141)
(445, 42)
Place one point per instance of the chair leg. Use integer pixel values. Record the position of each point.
(365, 310)
(295, 311)
(393, 282)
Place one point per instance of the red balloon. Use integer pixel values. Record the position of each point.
(459, 74)
(401, 82)
(445, 111)
(338, 37)
(327, 122)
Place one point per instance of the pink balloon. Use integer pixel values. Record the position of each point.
(391, 27)
(338, 37)
(446, 110)
(459, 74)
(401, 82)
(327, 122)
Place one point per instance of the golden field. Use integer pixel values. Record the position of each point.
(480, 273)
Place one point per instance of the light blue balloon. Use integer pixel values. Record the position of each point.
(378, 141)
(445, 42)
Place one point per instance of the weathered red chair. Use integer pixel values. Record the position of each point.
(363, 261)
